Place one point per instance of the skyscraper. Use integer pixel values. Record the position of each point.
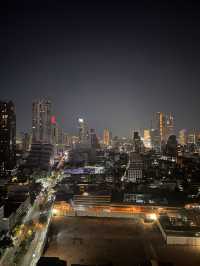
(147, 138)
(155, 140)
(7, 136)
(83, 132)
(134, 170)
(169, 125)
(94, 139)
(171, 147)
(137, 142)
(160, 124)
(191, 137)
(182, 137)
(106, 137)
(41, 121)
(164, 126)
(57, 136)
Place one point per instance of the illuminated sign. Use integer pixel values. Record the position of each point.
(53, 119)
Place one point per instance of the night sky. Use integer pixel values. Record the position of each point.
(112, 63)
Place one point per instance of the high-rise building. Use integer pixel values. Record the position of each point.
(164, 126)
(171, 146)
(147, 138)
(41, 156)
(155, 139)
(137, 142)
(191, 138)
(84, 137)
(41, 121)
(169, 125)
(7, 136)
(57, 133)
(134, 172)
(106, 137)
(27, 142)
(159, 124)
(182, 137)
(67, 139)
(94, 139)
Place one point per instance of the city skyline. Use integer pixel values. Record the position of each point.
(55, 119)
(112, 64)
(99, 133)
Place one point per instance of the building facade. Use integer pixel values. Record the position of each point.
(163, 125)
(106, 137)
(83, 132)
(134, 172)
(41, 122)
(7, 136)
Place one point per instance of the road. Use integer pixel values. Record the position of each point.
(36, 247)
(34, 212)
(8, 256)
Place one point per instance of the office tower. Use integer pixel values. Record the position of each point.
(93, 139)
(191, 138)
(134, 172)
(67, 139)
(155, 140)
(147, 138)
(74, 141)
(26, 142)
(41, 156)
(137, 142)
(57, 134)
(19, 142)
(7, 136)
(171, 146)
(198, 143)
(160, 124)
(106, 137)
(83, 131)
(164, 126)
(169, 125)
(41, 121)
(182, 137)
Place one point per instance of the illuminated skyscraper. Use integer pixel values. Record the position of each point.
(161, 124)
(182, 137)
(56, 132)
(147, 138)
(155, 140)
(164, 125)
(169, 125)
(84, 137)
(106, 137)
(41, 121)
(191, 138)
(7, 136)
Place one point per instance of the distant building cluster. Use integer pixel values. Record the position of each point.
(47, 139)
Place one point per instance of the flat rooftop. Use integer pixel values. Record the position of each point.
(124, 242)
